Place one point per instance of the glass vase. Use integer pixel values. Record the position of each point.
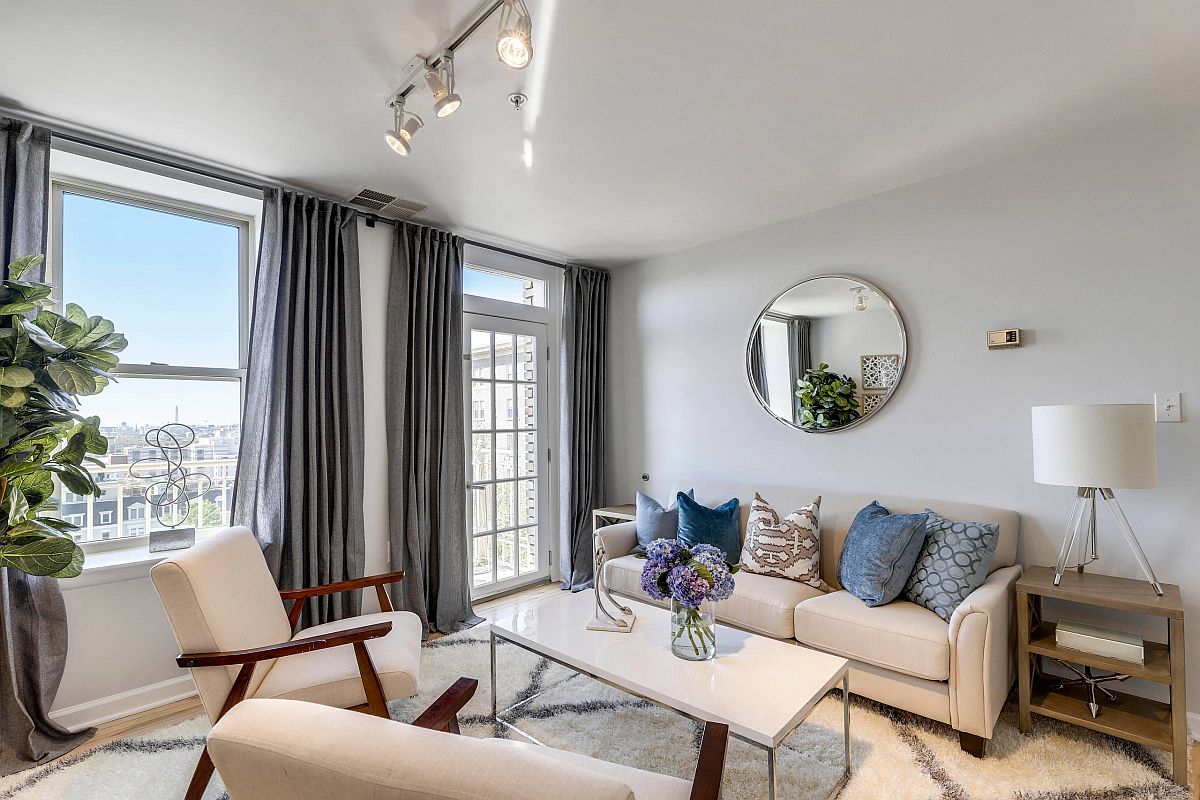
(693, 631)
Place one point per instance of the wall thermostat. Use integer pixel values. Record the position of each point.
(1010, 337)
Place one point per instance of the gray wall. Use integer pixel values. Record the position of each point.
(1089, 245)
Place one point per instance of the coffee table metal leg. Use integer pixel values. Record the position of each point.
(772, 778)
(495, 721)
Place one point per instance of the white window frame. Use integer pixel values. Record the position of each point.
(245, 225)
(551, 315)
(106, 517)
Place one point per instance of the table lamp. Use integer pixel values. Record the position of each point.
(1095, 448)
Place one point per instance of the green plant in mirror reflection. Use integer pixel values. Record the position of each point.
(827, 400)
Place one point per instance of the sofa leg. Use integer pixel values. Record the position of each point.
(970, 743)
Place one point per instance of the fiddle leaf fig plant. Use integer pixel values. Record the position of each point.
(47, 362)
(827, 400)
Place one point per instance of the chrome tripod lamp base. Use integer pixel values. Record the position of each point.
(614, 616)
(1082, 528)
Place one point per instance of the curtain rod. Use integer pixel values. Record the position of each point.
(232, 177)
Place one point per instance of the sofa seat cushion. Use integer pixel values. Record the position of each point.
(330, 677)
(645, 785)
(760, 603)
(902, 636)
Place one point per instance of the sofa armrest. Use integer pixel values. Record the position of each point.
(618, 540)
(983, 637)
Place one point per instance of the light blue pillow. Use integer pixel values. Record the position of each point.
(699, 524)
(654, 521)
(953, 562)
(880, 551)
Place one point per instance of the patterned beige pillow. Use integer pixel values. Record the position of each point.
(784, 548)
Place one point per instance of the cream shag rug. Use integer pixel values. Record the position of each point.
(896, 755)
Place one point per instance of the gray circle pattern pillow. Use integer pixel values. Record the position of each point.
(953, 563)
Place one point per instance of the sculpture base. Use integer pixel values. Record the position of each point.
(172, 539)
(602, 623)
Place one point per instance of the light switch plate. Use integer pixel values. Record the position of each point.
(1167, 407)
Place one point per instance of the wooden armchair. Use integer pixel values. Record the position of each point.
(239, 641)
(280, 750)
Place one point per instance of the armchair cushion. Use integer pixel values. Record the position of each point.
(331, 677)
(281, 750)
(645, 785)
(901, 636)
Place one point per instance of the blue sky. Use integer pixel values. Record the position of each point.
(170, 284)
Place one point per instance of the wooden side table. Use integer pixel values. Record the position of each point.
(1147, 722)
(611, 515)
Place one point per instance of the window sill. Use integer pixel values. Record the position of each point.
(119, 564)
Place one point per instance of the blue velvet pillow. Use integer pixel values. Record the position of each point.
(879, 554)
(654, 521)
(720, 526)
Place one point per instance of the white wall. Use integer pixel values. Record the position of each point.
(1089, 245)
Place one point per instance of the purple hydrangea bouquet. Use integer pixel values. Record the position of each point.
(694, 578)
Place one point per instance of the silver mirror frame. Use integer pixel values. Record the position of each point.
(903, 353)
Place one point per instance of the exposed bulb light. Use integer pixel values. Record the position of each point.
(514, 44)
(405, 126)
(441, 85)
(860, 302)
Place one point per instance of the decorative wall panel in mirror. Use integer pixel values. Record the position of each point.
(827, 354)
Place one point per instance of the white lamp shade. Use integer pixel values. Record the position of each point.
(1099, 446)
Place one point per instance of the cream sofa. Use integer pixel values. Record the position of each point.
(901, 654)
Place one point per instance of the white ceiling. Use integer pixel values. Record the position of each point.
(652, 126)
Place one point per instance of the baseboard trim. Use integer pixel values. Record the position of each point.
(122, 704)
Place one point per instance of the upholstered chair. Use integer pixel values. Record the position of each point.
(282, 750)
(238, 639)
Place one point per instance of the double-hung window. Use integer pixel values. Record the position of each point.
(173, 277)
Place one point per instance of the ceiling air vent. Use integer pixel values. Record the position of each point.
(387, 205)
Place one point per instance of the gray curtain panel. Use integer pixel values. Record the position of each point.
(800, 350)
(426, 451)
(299, 482)
(24, 191)
(33, 618)
(758, 365)
(582, 448)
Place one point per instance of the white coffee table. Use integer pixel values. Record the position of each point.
(762, 688)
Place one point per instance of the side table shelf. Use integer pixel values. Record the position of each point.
(1136, 719)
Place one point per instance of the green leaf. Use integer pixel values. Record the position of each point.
(12, 398)
(75, 568)
(72, 378)
(15, 376)
(47, 556)
(19, 307)
(100, 359)
(9, 428)
(41, 338)
(95, 329)
(38, 487)
(22, 265)
(76, 315)
(58, 327)
(94, 442)
(18, 506)
(74, 478)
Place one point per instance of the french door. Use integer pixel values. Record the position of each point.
(508, 452)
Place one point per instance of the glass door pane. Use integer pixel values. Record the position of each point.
(504, 399)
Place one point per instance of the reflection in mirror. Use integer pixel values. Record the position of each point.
(827, 353)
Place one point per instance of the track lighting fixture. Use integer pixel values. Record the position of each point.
(514, 47)
(441, 85)
(405, 126)
(514, 44)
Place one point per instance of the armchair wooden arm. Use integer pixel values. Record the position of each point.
(706, 784)
(307, 645)
(442, 715)
(378, 581)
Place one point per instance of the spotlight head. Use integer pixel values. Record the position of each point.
(514, 44)
(397, 142)
(445, 100)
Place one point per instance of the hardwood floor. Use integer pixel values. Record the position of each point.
(163, 716)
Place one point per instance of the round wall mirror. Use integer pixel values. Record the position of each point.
(827, 354)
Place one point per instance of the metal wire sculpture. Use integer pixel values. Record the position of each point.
(169, 491)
